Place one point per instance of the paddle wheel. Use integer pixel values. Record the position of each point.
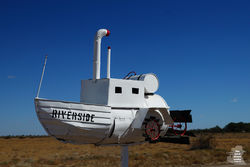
(180, 118)
(179, 128)
(152, 129)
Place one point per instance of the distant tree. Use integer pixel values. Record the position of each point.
(237, 127)
(215, 129)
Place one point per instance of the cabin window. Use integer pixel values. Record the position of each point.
(135, 90)
(118, 89)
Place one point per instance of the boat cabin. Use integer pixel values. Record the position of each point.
(113, 92)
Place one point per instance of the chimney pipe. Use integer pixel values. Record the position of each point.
(97, 52)
(108, 62)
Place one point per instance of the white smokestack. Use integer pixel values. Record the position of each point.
(97, 52)
(108, 62)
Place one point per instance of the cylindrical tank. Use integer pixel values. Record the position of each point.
(151, 82)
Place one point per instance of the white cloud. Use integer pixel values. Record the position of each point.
(11, 76)
(235, 100)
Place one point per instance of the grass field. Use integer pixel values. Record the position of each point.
(46, 151)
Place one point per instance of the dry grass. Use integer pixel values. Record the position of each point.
(46, 151)
(202, 141)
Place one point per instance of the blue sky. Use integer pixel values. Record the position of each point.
(200, 51)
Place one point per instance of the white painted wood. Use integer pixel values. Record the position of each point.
(102, 92)
(126, 98)
(156, 101)
(64, 120)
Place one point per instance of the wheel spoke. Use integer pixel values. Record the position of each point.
(152, 129)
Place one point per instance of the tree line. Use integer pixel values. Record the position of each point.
(231, 127)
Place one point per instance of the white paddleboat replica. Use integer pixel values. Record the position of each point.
(112, 111)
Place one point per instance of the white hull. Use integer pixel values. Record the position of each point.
(90, 124)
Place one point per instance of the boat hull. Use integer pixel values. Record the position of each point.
(80, 123)
(74, 122)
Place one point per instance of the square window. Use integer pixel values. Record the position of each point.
(135, 90)
(118, 89)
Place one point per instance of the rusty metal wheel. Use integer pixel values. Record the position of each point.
(152, 129)
(180, 128)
